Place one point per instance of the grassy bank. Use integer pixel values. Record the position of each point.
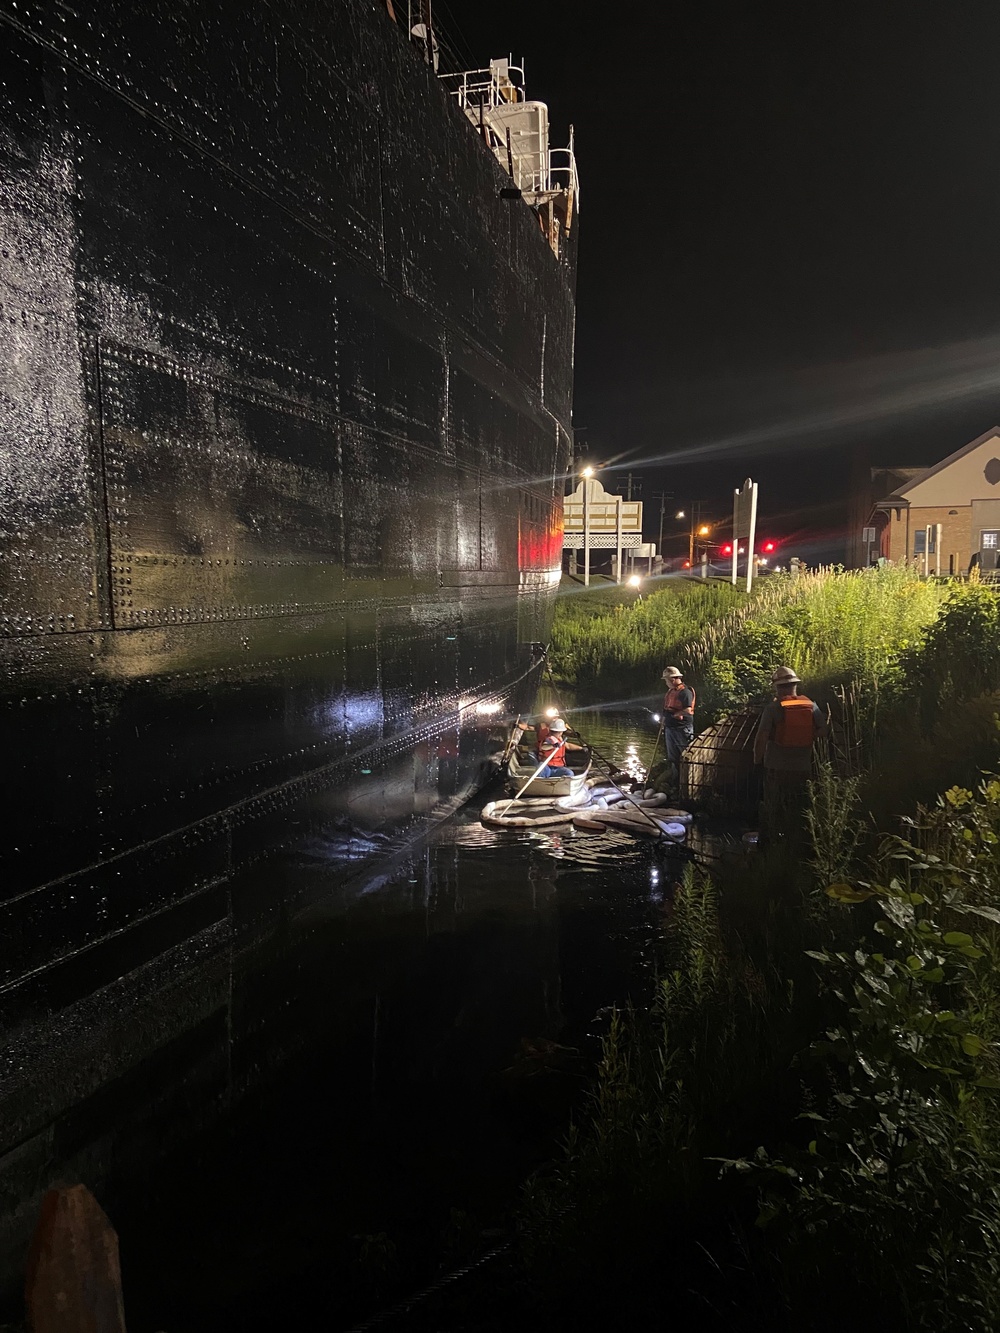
(801, 1129)
(834, 627)
(607, 634)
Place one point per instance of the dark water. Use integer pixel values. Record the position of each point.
(410, 1086)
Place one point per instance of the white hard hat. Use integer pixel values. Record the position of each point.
(784, 676)
(672, 671)
(557, 724)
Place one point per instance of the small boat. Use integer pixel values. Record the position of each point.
(520, 768)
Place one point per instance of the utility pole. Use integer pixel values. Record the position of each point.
(694, 509)
(695, 521)
(663, 497)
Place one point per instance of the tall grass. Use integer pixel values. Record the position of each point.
(609, 635)
(832, 626)
(850, 625)
(826, 1023)
(845, 1044)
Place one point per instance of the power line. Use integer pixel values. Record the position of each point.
(461, 47)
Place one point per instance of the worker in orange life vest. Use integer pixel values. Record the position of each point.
(539, 729)
(553, 750)
(678, 714)
(788, 729)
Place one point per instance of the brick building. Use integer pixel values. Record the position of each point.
(944, 514)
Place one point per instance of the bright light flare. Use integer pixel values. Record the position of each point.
(487, 709)
(680, 514)
(634, 581)
(552, 712)
(588, 471)
(703, 531)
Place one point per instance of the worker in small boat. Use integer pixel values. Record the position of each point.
(553, 750)
(786, 734)
(539, 730)
(678, 718)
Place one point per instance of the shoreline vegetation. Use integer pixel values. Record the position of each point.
(835, 626)
(801, 1127)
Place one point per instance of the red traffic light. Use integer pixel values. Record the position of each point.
(727, 549)
(769, 546)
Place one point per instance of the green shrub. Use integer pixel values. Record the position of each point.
(958, 656)
(899, 1173)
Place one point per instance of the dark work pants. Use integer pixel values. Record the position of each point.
(676, 740)
(783, 808)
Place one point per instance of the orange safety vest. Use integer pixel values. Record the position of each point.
(669, 698)
(553, 751)
(796, 727)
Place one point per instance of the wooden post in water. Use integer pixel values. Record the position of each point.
(73, 1281)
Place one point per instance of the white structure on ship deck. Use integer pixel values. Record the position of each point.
(517, 132)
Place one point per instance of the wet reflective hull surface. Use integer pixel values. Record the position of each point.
(284, 409)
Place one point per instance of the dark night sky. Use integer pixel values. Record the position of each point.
(789, 240)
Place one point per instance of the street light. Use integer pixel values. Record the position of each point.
(680, 514)
(587, 473)
(634, 581)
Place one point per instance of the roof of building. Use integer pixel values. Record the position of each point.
(918, 475)
(888, 480)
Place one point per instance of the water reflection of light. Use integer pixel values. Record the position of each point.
(655, 890)
(488, 709)
(632, 764)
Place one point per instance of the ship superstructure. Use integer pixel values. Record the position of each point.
(517, 132)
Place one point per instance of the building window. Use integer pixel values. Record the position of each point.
(920, 541)
(989, 541)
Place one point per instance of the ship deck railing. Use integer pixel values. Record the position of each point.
(485, 87)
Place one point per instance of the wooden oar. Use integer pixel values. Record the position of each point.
(656, 744)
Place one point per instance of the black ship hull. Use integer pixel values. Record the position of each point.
(285, 403)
